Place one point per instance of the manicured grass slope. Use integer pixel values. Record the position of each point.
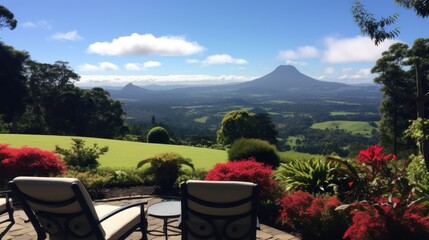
(122, 154)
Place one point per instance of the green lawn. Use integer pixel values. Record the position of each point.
(356, 127)
(122, 154)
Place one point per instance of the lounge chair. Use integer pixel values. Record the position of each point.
(219, 210)
(62, 209)
(6, 206)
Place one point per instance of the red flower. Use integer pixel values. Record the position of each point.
(374, 154)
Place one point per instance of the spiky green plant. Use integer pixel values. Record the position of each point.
(312, 175)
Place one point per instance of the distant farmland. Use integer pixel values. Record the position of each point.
(355, 127)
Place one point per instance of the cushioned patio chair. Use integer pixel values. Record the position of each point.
(219, 210)
(62, 209)
(6, 206)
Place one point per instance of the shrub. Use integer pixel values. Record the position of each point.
(28, 161)
(372, 175)
(166, 168)
(94, 181)
(310, 175)
(247, 170)
(81, 158)
(158, 135)
(388, 219)
(260, 150)
(313, 217)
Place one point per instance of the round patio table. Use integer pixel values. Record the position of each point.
(165, 210)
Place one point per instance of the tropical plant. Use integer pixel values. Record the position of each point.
(397, 216)
(165, 167)
(262, 151)
(312, 175)
(373, 174)
(81, 158)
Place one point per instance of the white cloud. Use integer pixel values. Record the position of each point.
(43, 24)
(357, 49)
(151, 64)
(300, 53)
(147, 44)
(192, 61)
(103, 66)
(133, 66)
(120, 80)
(222, 59)
(360, 74)
(329, 70)
(67, 36)
(107, 66)
(295, 63)
(144, 66)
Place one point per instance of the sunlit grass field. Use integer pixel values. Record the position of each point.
(356, 127)
(121, 154)
(126, 155)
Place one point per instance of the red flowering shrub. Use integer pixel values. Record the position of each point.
(244, 170)
(374, 157)
(28, 161)
(313, 217)
(388, 221)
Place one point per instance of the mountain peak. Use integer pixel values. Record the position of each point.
(288, 77)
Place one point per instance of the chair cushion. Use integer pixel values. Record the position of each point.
(120, 223)
(2, 204)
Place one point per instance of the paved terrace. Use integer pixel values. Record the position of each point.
(24, 231)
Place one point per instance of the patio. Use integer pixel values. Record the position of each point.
(21, 230)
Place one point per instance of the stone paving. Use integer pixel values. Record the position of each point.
(24, 231)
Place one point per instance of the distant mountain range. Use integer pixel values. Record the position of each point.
(285, 82)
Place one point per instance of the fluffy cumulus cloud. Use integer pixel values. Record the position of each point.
(120, 80)
(147, 44)
(357, 49)
(299, 53)
(67, 36)
(144, 66)
(362, 73)
(102, 66)
(222, 59)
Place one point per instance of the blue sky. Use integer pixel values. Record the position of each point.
(202, 41)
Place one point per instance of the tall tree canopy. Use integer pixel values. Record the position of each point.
(12, 81)
(382, 29)
(243, 124)
(404, 73)
(7, 19)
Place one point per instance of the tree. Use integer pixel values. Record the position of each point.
(404, 74)
(7, 19)
(243, 124)
(13, 90)
(379, 30)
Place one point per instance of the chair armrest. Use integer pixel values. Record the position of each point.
(112, 213)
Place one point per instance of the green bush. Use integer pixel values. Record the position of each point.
(260, 150)
(93, 181)
(158, 135)
(81, 158)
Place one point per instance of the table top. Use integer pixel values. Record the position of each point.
(165, 209)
